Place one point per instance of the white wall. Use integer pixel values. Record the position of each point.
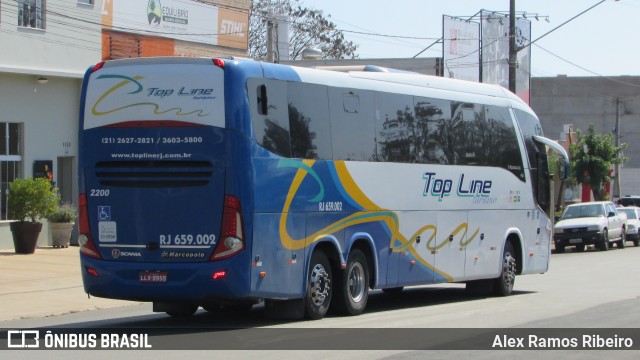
(49, 114)
(48, 111)
(70, 42)
(66, 44)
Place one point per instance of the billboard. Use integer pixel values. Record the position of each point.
(461, 48)
(184, 20)
(495, 52)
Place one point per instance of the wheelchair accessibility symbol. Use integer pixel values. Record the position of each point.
(104, 213)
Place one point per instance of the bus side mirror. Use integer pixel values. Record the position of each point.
(563, 169)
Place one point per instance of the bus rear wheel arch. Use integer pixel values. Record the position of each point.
(510, 266)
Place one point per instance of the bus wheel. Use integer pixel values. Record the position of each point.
(319, 286)
(503, 285)
(352, 285)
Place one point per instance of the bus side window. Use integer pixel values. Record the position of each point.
(501, 148)
(309, 121)
(432, 118)
(270, 119)
(352, 133)
(537, 156)
(396, 129)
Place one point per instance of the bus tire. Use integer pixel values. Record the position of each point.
(319, 286)
(352, 285)
(503, 285)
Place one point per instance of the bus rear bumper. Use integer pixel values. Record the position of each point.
(165, 282)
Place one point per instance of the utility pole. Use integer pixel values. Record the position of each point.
(617, 192)
(270, 57)
(513, 52)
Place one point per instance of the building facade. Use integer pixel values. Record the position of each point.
(47, 45)
(141, 28)
(611, 104)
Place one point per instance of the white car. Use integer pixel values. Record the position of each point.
(633, 223)
(594, 223)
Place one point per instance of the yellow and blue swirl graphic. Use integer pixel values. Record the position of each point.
(362, 211)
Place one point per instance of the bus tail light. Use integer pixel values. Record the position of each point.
(218, 62)
(97, 66)
(219, 275)
(85, 241)
(232, 235)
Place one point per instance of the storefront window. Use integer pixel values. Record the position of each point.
(10, 161)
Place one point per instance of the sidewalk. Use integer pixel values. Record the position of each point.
(45, 283)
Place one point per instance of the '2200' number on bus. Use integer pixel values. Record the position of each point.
(184, 239)
(99, 192)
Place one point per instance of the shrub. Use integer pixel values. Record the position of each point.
(64, 214)
(32, 199)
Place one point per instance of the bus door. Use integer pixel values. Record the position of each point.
(414, 258)
(484, 243)
(449, 245)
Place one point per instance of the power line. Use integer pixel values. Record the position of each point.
(587, 70)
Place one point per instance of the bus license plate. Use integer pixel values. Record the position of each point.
(153, 277)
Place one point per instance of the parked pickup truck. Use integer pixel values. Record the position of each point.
(593, 223)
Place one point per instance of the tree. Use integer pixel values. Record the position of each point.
(592, 159)
(309, 28)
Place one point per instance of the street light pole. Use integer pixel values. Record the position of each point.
(513, 52)
(617, 187)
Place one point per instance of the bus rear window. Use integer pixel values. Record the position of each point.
(191, 94)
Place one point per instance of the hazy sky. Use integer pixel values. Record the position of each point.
(602, 41)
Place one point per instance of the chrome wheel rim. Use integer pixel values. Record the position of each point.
(509, 270)
(356, 285)
(320, 284)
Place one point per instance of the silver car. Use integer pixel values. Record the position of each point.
(633, 222)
